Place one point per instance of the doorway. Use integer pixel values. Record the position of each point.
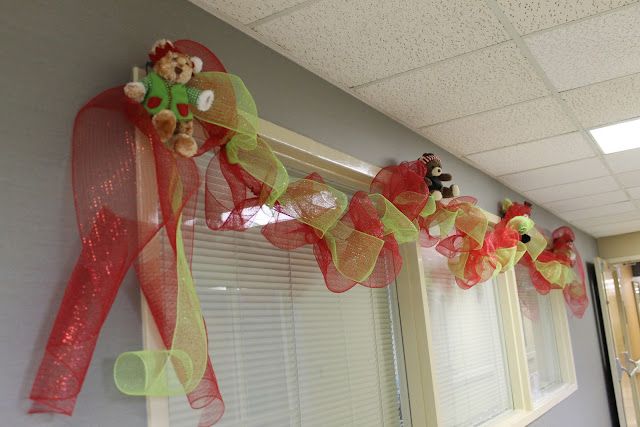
(619, 294)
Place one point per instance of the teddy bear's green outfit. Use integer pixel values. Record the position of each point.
(161, 95)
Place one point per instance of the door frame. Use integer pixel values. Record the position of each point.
(601, 265)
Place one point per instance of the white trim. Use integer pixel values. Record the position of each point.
(601, 266)
(514, 340)
(623, 259)
(416, 333)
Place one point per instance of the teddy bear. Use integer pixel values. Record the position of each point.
(434, 178)
(510, 210)
(164, 93)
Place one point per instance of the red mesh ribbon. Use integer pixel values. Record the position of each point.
(404, 186)
(560, 267)
(233, 197)
(286, 232)
(124, 182)
(471, 264)
(454, 216)
(561, 256)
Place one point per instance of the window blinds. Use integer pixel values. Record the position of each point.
(472, 381)
(539, 331)
(287, 351)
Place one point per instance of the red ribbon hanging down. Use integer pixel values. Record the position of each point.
(124, 181)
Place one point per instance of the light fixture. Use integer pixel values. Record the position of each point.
(619, 137)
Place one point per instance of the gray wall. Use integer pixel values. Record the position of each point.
(55, 56)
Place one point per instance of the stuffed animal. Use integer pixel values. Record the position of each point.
(510, 210)
(164, 93)
(435, 177)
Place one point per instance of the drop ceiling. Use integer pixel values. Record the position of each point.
(510, 86)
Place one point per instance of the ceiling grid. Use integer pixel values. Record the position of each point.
(491, 82)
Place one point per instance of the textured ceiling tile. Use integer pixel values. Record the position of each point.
(615, 218)
(523, 122)
(248, 11)
(606, 102)
(573, 189)
(634, 192)
(357, 41)
(630, 179)
(599, 211)
(597, 199)
(590, 51)
(531, 155)
(480, 81)
(624, 161)
(533, 15)
(558, 174)
(614, 229)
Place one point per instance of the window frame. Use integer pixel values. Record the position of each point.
(416, 332)
(410, 295)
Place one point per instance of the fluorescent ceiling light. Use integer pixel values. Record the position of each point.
(619, 137)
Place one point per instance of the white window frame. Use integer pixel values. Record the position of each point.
(416, 333)
(302, 153)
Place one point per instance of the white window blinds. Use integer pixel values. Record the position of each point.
(539, 331)
(287, 351)
(471, 376)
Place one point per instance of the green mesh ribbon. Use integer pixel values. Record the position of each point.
(234, 108)
(394, 221)
(179, 369)
(354, 253)
(556, 273)
(429, 207)
(537, 244)
(313, 203)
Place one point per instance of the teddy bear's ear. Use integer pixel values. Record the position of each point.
(505, 205)
(197, 64)
(160, 44)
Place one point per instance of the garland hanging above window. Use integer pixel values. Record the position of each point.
(135, 185)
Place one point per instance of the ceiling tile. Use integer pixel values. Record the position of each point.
(480, 81)
(530, 155)
(614, 229)
(590, 51)
(357, 41)
(629, 179)
(511, 125)
(598, 211)
(573, 189)
(615, 218)
(247, 11)
(597, 199)
(557, 174)
(533, 15)
(624, 161)
(634, 192)
(606, 102)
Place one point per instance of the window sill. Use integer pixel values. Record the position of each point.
(521, 418)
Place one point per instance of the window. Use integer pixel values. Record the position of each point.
(471, 372)
(540, 335)
(422, 352)
(285, 349)
(473, 357)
